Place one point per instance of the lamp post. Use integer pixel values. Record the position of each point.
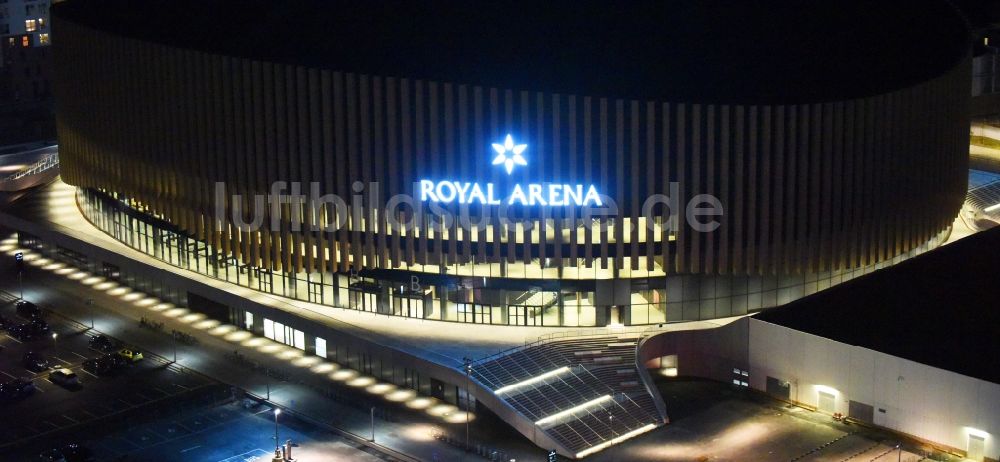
(373, 423)
(55, 336)
(468, 383)
(611, 423)
(90, 308)
(276, 441)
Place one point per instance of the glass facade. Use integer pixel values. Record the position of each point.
(482, 300)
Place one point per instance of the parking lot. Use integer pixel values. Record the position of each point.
(224, 433)
(53, 411)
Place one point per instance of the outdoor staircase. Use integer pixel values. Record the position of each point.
(584, 392)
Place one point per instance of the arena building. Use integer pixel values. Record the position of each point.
(525, 164)
(823, 168)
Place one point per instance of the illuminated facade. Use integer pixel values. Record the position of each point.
(812, 190)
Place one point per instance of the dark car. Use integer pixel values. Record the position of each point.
(22, 332)
(52, 455)
(15, 389)
(36, 328)
(35, 362)
(102, 343)
(28, 310)
(96, 366)
(108, 364)
(77, 453)
(115, 361)
(5, 322)
(40, 327)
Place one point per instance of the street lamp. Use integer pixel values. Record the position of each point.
(611, 423)
(90, 309)
(468, 384)
(276, 443)
(54, 337)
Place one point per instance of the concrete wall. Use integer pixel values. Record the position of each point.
(923, 401)
(709, 353)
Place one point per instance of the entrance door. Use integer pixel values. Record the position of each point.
(515, 315)
(524, 315)
(484, 314)
(827, 402)
(777, 388)
(977, 446)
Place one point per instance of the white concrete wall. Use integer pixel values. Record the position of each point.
(920, 400)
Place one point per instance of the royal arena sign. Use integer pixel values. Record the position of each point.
(509, 155)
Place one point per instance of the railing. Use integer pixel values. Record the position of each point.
(586, 428)
(643, 331)
(46, 162)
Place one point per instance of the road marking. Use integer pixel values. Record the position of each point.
(63, 360)
(88, 373)
(91, 414)
(254, 454)
(12, 338)
(78, 354)
(8, 375)
(165, 392)
(70, 418)
(181, 386)
(190, 449)
(143, 396)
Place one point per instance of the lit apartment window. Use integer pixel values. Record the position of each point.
(29, 25)
(41, 23)
(26, 41)
(43, 39)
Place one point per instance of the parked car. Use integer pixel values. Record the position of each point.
(15, 389)
(6, 323)
(36, 328)
(23, 332)
(108, 364)
(51, 455)
(68, 453)
(103, 343)
(96, 367)
(131, 354)
(65, 378)
(40, 327)
(28, 310)
(76, 453)
(115, 361)
(35, 362)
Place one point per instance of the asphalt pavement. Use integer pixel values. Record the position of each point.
(405, 427)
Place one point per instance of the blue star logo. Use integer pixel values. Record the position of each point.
(509, 154)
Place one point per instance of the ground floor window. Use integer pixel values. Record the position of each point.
(284, 334)
(320, 347)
